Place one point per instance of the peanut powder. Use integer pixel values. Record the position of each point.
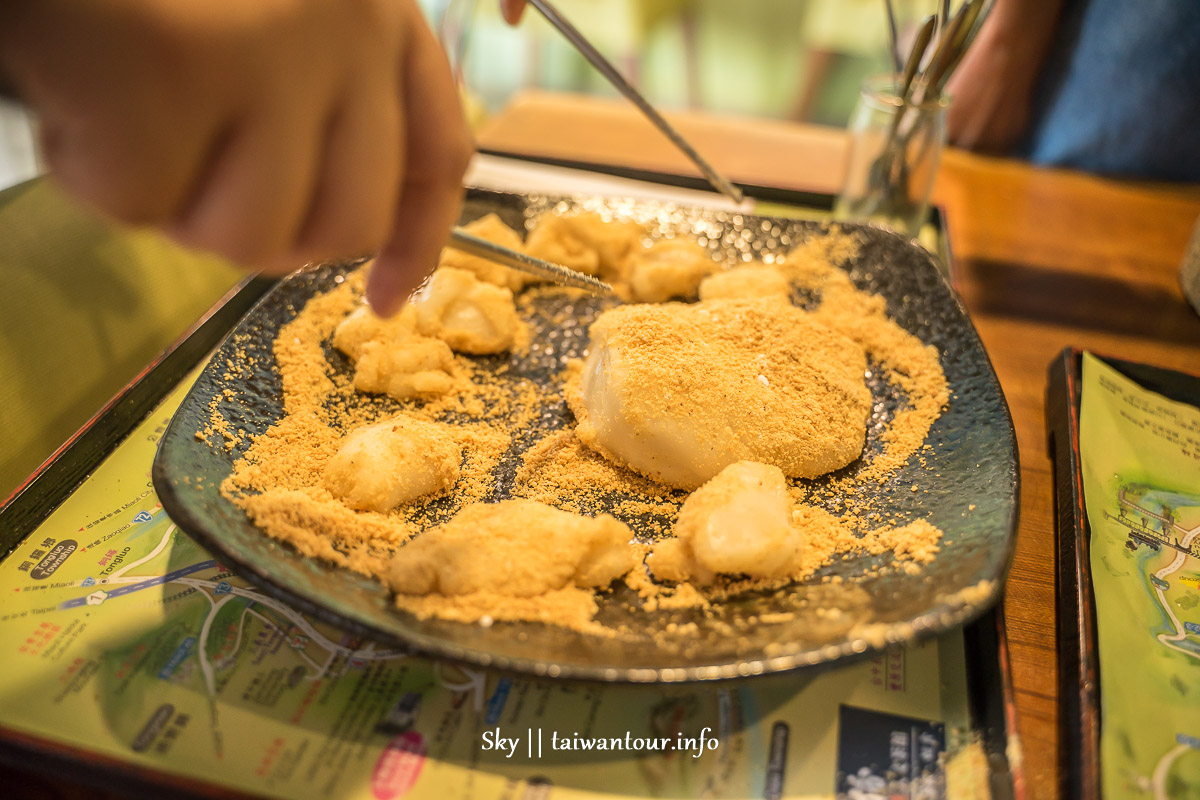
(508, 416)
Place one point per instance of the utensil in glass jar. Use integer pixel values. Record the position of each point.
(895, 147)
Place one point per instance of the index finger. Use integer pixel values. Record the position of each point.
(512, 10)
(437, 149)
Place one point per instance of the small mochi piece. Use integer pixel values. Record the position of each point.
(414, 367)
(378, 467)
(584, 242)
(364, 325)
(519, 548)
(390, 357)
(668, 268)
(469, 315)
(495, 231)
(739, 523)
(672, 560)
(751, 280)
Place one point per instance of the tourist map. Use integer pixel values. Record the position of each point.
(1141, 469)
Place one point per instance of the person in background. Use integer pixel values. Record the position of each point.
(273, 132)
(1105, 86)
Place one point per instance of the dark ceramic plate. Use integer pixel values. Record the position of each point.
(968, 488)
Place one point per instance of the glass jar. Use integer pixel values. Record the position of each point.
(895, 148)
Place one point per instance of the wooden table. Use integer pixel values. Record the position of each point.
(1045, 259)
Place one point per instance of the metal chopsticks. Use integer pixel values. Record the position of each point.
(718, 181)
(468, 243)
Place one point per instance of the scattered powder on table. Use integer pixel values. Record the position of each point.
(278, 479)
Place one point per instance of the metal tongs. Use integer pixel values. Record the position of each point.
(585, 48)
(461, 240)
(476, 246)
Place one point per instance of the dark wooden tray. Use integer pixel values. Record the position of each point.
(1079, 679)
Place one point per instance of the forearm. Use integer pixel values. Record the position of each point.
(992, 90)
(1024, 29)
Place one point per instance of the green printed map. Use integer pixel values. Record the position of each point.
(122, 637)
(1141, 468)
(126, 637)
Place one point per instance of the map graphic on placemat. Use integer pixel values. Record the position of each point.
(123, 637)
(213, 627)
(1141, 467)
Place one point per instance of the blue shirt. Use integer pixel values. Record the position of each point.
(1119, 93)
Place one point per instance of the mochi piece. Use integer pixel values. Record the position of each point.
(364, 325)
(418, 366)
(519, 548)
(468, 314)
(668, 268)
(380, 466)
(679, 392)
(391, 357)
(749, 281)
(584, 242)
(739, 523)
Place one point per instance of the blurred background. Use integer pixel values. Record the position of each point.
(785, 59)
(795, 59)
